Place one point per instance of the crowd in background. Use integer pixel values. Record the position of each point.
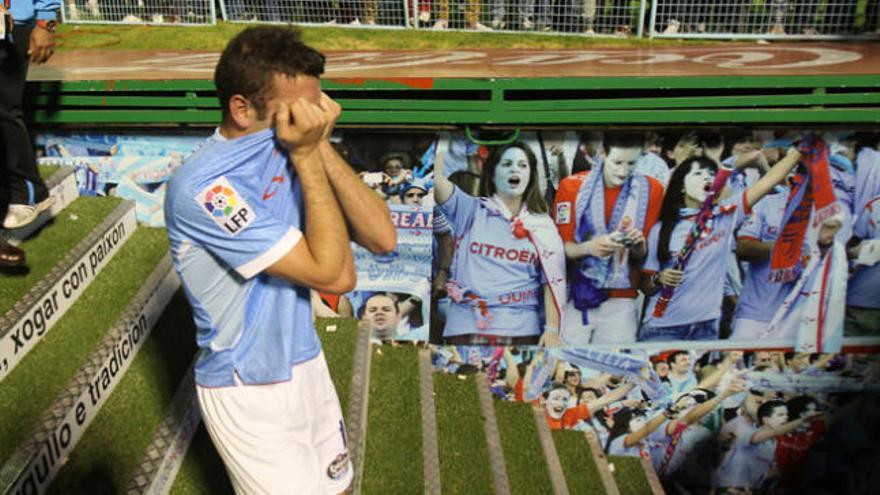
(628, 251)
(607, 17)
(712, 422)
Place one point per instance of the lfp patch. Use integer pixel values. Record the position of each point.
(563, 212)
(226, 207)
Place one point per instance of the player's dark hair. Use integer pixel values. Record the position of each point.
(532, 196)
(673, 201)
(250, 61)
(765, 410)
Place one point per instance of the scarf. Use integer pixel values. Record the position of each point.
(811, 190)
(630, 210)
(541, 232)
(802, 383)
(701, 229)
(630, 366)
(814, 309)
(867, 179)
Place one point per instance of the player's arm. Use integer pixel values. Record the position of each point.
(321, 259)
(363, 209)
(550, 337)
(642, 433)
(767, 433)
(443, 187)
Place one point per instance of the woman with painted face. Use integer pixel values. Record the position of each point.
(508, 270)
(689, 246)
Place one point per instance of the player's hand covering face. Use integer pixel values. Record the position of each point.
(512, 173)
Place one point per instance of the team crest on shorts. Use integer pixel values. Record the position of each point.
(563, 212)
(338, 467)
(226, 207)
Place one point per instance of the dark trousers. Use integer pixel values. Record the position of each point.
(20, 182)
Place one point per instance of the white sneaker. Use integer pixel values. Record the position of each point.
(158, 19)
(424, 16)
(131, 19)
(355, 22)
(498, 23)
(480, 27)
(331, 22)
(440, 25)
(18, 216)
(673, 27)
(527, 24)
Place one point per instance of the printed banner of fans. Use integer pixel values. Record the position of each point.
(709, 422)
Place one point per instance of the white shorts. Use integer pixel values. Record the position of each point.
(284, 437)
(615, 321)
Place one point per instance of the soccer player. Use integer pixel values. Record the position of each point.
(257, 217)
(603, 217)
(508, 270)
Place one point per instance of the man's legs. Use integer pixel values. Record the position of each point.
(277, 437)
(615, 321)
(18, 167)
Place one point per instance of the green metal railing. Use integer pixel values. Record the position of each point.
(527, 101)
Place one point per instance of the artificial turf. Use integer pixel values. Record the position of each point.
(464, 455)
(112, 447)
(339, 349)
(47, 171)
(629, 476)
(50, 245)
(578, 465)
(65, 348)
(526, 464)
(393, 458)
(202, 471)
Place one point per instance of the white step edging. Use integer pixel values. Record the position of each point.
(40, 309)
(35, 464)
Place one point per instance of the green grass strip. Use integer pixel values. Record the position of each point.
(46, 370)
(630, 476)
(51, 244)
(526, 464)
(339, 348)
(112, 447)
(214, 38)
(47, 171)
(464, 455)
(202, 471)
(580, 470)
(393, 459)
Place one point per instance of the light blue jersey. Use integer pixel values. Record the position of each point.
(233, 209)
(493, 265)
(863, 289)
(761, 298)
(699, 296)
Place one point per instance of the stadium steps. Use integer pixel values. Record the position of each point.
(582, 466)
(635, 476)
(87, 351)
(61, 182)
(394, 421)
(527, 469)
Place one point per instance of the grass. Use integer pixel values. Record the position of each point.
(580, 470)
(339, 348)
(630, 476)
(214, 38)
(47, 171)
(464, 456)
(64, 349)
(202, 471)
(393, 458)
(526, 464)
(111, 449)
(51, 244)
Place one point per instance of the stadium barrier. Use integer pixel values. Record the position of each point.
(765, 19)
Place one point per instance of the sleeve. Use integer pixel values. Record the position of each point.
(652, 263)
(741, 207)
(460, 209)
(564, 207)
(46, 9)
(655, 203)
(865, 226)
(241, 232)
